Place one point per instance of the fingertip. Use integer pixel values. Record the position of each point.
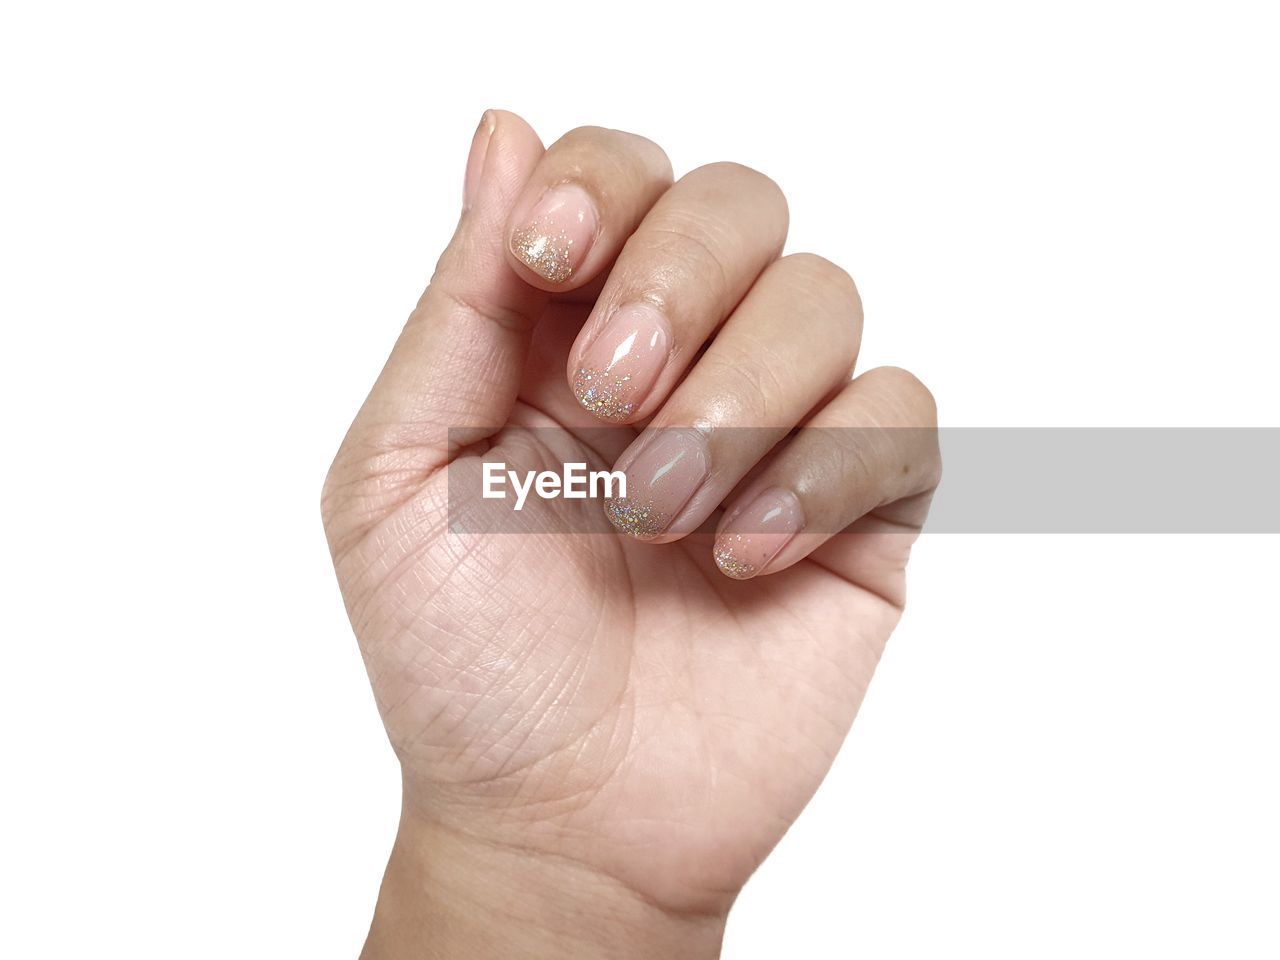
(755, 531)
(504, 152)
(475, 159)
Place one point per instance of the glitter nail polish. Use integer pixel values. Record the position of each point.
(559, 233)
(756, 534)
(667, 471)
(619, 367)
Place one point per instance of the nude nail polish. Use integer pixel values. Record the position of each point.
(665, 474)
(621, 365)
(559, 233)
(757, 533)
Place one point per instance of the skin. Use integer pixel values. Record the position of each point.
(602, 738)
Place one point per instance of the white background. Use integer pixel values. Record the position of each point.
(214, 219)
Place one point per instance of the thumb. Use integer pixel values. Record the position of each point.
(452, 376)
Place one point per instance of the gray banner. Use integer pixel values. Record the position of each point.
(1108, 480)
(995, 480)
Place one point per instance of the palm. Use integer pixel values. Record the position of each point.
(591, 695)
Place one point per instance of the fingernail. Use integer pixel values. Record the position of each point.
(475, 159)
(559, 233)
(757, 533)
(663, 477)
(621, 365)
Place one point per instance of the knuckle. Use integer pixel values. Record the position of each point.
(737, 179)
(586, 132)
(729, 169)
(830, 289)
(906, 388)
(823, 277)
(655, 157)
(616, 148)
(689, 246)
(749, 386)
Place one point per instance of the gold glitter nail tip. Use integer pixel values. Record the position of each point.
(544, 250)
(728, 561)
(604, 395)
(558, 233)
(639, 520)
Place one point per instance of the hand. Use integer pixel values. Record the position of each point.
(602, 737)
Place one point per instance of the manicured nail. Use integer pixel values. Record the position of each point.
(757, 533)
(620, 366)
(559, 233)
(475, 160)
(664, 476)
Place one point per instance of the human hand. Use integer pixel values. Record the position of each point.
(600, 737)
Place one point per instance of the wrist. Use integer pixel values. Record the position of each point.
(448, 895)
